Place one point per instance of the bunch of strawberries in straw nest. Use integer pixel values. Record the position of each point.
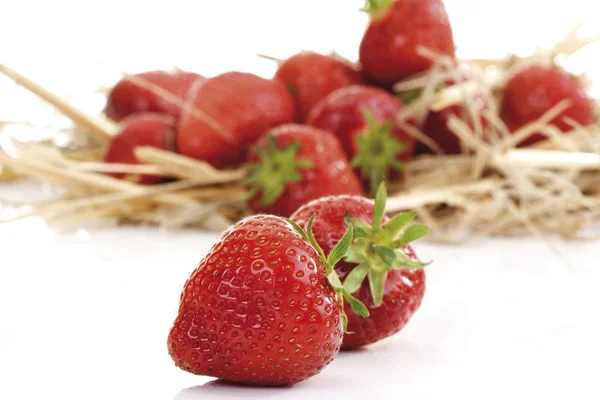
(474, 147)
(328, 172)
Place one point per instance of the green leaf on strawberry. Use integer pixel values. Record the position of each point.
(376, 7)
(336, 254)
(277, 168)
(379, 247)
(378, 151)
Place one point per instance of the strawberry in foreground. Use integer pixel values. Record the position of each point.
(294, 164)
(263, 307)
(535, 89)
(128, 97)
(380, 269)
(229, 112)
(389, 48)
(311, 76)
(364, 119)
(153, 130)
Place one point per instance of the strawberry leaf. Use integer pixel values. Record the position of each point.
(379, 210)
(337, 253)
(400, 221)
(378, 151)
(357, 306)
(277, 167)
(376, 249)
(312, 240)
(414, 233)
(377, 284)
(355, 278)
(297, 228)
(341, 248)
(376, 7)
(386, 254)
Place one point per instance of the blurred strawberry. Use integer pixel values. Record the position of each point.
(389, 48)
(294, 164)
(226, 114)
(310, 77)
(533, 90)
(131, 95)
(153, 130)
(364, 119)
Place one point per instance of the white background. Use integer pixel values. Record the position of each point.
(85, 314)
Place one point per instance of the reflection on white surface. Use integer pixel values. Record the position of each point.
(89, 319)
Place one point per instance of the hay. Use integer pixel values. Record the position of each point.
(492, 188)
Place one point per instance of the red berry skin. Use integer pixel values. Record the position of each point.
(331, 174)
(258, 309)
(404, 289)
(237, 108)
(436, 127)
(153, 130)
(128, 98)
(342, 112)
(388, 51)
(311, 76)
(534, 90)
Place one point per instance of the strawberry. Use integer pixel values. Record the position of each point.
(389, 48)
(380, 268)
(535, 89)
(229, 112)
(294, 164)
(311, 76)
(128, 97)
(363, 118)
(154, 130)
(262, 307)
(436, 126)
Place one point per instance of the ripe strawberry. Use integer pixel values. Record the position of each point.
(363, 118)
(228, 113)
(380, 268)
(436, 126)
(154, 130)
(263, 307)
(129, 97)
(389, 48)
(535, 89)
(294, 164)
(310, 77)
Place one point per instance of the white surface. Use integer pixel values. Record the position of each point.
(85, 315)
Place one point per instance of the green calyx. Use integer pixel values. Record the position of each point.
(276, 168)
(376, 7)
(337, 253)
(378, 152)
(377, 248)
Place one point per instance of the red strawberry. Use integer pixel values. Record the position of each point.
(363, 118)
(389, 48)
(535, 89)
(436, 126)
(130, 97)
(380, 268)
(154, 130)
(294, 164)
(229, 112)
(261, 308)
(310, 77)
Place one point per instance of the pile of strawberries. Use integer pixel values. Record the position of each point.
(266, 304)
